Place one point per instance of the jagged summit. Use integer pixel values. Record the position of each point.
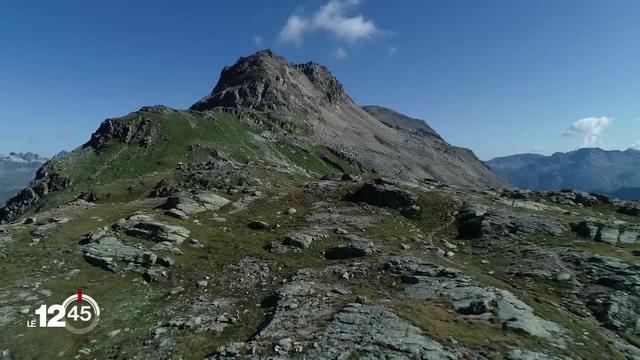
(267, 81)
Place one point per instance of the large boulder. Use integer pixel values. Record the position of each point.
(147, 227)
(195, 203)
(106, 251)
(383, 193)
(374, 332)
(354, 246)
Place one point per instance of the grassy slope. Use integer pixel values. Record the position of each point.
(136, 306)
(127, 172)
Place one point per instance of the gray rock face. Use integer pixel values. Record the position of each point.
(605, 271)
(620, 311)
(374, 332)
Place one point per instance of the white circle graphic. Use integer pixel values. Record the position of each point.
(94, 321)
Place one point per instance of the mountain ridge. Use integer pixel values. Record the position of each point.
(587, 169)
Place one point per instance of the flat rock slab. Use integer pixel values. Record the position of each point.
(374, 332)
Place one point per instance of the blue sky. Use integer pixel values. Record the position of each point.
(499, 77)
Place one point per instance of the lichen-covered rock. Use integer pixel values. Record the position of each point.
(195, 203)
(374, 332)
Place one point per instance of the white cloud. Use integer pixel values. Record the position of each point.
(258, 40)
(391, 50)
(294, 29)
(339, 53)
(332, 18)
(589, 129)
(636, 145)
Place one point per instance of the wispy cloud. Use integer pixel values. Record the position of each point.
(332, 18)
(258, 40)
(391, 50)
(339, 53)
(590, 129)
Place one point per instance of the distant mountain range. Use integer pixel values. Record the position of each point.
(612, 172)
(16, 171)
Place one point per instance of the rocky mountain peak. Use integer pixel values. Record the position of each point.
(267, 81)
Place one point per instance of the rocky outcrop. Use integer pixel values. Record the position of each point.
(108, 248)
(384, 194)
(610, 232)
(146, 227)
(373, 331)
(571, 197)
(619, 311)
(606, 271)
(44, 183)
(140, 131)
(197, 202)
(430, 282)
(354, 247)
(477, 221)
(218, 173)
